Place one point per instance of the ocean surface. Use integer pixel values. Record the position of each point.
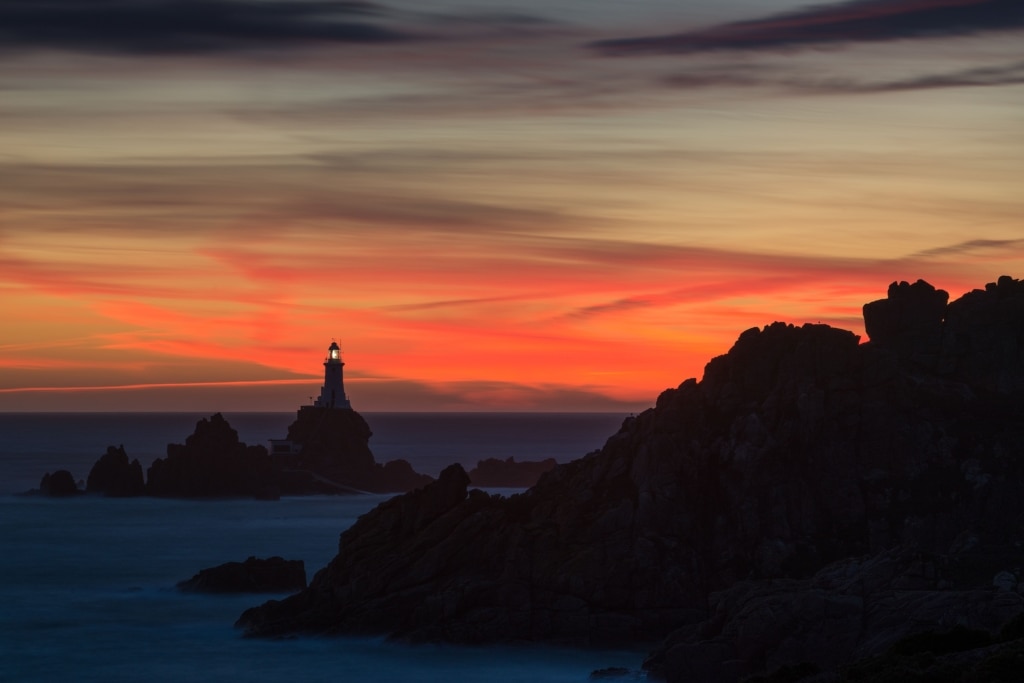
(87, 584)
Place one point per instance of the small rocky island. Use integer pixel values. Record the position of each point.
(813, 502)
(326, 451)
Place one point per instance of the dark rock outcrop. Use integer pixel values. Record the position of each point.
(60, 484)
(212, 463)
(495, 473)
(733, 508)
(729, 513)
(333, 440)
(271, 575)
(335, 447)
(114, 476)
(334, 458)
(909, 320)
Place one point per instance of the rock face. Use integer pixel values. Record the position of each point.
(272, 575)
(114, 476)
(809, 484)
(496, 473)
(335, 446)
(850, 610)
(382, 561)
(212, 463)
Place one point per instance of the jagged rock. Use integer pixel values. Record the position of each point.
(212, 463)
(984, 337)
(909, 321)
(495, 473)
(60, 484)
(272, 575)
(114, 476)
(800, 449)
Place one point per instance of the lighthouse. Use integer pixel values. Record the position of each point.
(332, 393)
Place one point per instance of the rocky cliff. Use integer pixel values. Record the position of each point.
(800, 450)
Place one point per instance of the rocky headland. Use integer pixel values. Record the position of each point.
(812, 501)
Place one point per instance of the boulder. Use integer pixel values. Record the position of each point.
(271, 575)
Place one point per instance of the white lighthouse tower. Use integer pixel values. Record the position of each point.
(332, 393)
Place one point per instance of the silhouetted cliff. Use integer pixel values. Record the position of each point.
(809, 484)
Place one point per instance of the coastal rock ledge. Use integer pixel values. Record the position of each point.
(811, 501)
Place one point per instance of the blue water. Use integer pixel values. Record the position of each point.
(87, 584)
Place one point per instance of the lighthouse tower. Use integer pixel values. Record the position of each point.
(332, 393)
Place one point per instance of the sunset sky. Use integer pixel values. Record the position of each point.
(491, 205)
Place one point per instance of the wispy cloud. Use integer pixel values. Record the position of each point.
(188, 26)
(1003, 74)
(857, 21)
(777, 79)
(974, 247)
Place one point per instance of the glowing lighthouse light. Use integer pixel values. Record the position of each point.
(332, 393)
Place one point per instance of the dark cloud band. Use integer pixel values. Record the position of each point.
(857, 21)
(186, 26)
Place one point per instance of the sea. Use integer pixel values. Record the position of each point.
(87, 584)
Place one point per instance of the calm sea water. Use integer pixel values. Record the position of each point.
(87, 584)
